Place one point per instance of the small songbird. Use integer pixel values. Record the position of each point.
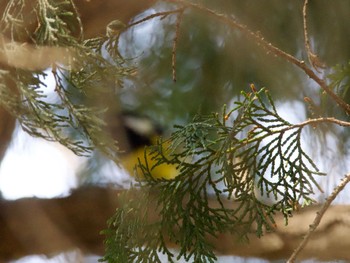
(134, 133)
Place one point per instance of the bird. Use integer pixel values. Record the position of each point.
(135, 135)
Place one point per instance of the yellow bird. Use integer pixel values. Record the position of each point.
(134, 133)
(131, 163)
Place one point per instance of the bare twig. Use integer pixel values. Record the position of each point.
(259, 39)
(318, 218)
(80, 23)
(177, 32)
(176, 38)
(159, 14)
(322, 120)
(313, 58)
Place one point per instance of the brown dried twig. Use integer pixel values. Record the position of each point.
(312, 57)
(177, 32)
(319, 120)
(318, 217)
(159, 14)
(176, 38)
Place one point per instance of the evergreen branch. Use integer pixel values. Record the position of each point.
(260, 40)
(50, 31)
(213, 162)
(12, 18)
(76, 67)
(340, 80)
(318, 217)
(87, 121)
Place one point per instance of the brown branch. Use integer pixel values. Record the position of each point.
(312, 57)
(320, 120)
(159, 14)
(80, 23)
(260, 40)
(176, 38)
(177, 31)
(318, 218)
(50, 226)
(306, 35)
(31, 57)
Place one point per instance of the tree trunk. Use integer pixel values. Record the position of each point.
(50, 226)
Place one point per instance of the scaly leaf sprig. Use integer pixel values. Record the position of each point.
(240, 156)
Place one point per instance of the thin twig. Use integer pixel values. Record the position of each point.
(313, 58)
(259, 39)
(318, 217)
(322, 120)
(306, 35)
(76, 13)
(176, 38)
(162, 14)
(177, 32)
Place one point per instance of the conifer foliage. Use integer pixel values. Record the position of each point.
(246, 154)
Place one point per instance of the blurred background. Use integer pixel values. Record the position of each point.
(214, 64)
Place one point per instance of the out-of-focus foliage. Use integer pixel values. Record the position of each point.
(341, 80)
(90, 74)
(214, 64)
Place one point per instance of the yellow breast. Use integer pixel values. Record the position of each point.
(131, 163)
